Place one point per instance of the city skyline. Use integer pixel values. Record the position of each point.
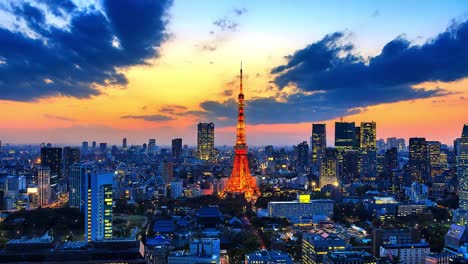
(138, 92)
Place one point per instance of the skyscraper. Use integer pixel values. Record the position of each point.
(205, 141)
(329, 168)
(319, 142)
(43, 185)
(435, 164)
(345, 135)
(177, 149)
(167, 172)
(357, 137)
(390, 162)
(52, 158)
(71, 155)
(368, 135)
(462, 174)
(124, 143)
(77, 188)
(98, 213)
(302, 157)
(418, 162)
(151, 146)
(94, 145)
(241, 181)
(103, 147)
(84, 146)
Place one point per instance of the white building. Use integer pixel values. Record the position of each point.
(98, 211)
(302, 210)
(43, 186)
(406, 253)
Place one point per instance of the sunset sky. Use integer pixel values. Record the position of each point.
(73, 71)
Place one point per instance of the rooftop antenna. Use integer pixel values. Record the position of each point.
(241, 77)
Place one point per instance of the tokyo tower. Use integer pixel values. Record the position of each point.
(241, 181)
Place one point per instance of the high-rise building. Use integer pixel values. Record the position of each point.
(390, 162)
(43, 185)
(351, 165)
(368, 135)
(357, 138)
(418, 162)
(462, 174)
(329, 168)
(368, 163)
(71, 155)
(241, 180)
(103, 147)
(318, 143)
(84, 146)
(205, 141)
(177, 149)
(303, 157)
(79, 171)
(52, 158)
(434, 159)
(94, 145)
(167, 171)
(98, 212)
(119, 178)
(152, 146)
(345, 135)
(124, 143)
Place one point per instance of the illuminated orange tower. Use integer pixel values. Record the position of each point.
(241, 181)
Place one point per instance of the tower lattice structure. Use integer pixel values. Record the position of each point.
(241, 180)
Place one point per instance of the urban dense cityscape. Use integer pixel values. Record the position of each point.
(354, 190)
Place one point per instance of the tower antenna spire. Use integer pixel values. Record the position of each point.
(241, 78)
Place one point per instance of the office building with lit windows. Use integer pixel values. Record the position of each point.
(462, 174)
(52, 158)
(98, 213)
(368, 135)
(349, 257)
(318, 142)
(318, 243)
(329, 168)
(77, 187)
(205, 141)
(418, 160)
(43, 186)
(176, 149)
(345, 135)
(268, 257)
(302, 210)
(71, 155)
(434, 159)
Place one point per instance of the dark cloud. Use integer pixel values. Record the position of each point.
(228, 92)
(72, 61)
(225, 24)
(62, 118)
(172, 109)
(239, 11)
(149, 118)
(333, 81)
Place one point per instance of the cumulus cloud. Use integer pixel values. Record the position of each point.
(331, 80)
(86, 53)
